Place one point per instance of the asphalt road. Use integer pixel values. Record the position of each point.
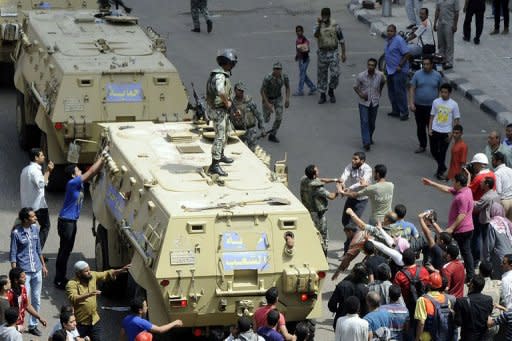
(327, 135)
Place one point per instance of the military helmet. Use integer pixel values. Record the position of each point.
(226, 56)
(277, 65)
(240, 86)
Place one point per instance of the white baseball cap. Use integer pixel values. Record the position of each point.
(480, 158)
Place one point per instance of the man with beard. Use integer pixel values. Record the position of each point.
(82, 292)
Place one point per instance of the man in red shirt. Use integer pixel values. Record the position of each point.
(480, 165)
(409, 259)
(453, 271)
(260, 315)
(459, 152)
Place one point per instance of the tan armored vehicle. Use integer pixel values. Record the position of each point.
(204, 250)
(77, 68)
(12, 14)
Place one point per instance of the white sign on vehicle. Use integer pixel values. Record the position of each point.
(183, 257)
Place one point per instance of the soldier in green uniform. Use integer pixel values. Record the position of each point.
(245, 116)
(273, 99)
(197, 8)
(218, 96)
(314, 197)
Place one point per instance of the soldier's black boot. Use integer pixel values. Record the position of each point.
(215, 168)
(322, 99)
(197, 30)
(332, 98)
(225, 159)
(209, 26)
(273, 138)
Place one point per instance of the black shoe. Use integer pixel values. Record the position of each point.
(393, 114)
(216, 169)
(465, 38)
(476, 41)
(419, 150)
(404, 118)
(322, 99)
(366, 147)
(332, 99)
(35, 331)
(128, 10)
(209, 26)
(197, 30)
(273, 138)
(225, 159)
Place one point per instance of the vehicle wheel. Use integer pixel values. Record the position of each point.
(21, 127)
(6, 75)
(381, 64)
(101, 249)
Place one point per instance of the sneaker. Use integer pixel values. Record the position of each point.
(404, 118)
(465, 38)
(297, 93)
(34, 331)
(209, 26)
(494, 32)
(393, 114)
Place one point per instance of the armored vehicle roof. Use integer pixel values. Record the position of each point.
(173, 157)
(80, 42)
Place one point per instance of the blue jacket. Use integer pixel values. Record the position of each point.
(26, 248)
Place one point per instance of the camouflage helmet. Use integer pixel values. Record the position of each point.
(227, 56)
(277, 65)
(240, 86)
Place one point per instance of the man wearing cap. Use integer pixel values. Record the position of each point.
(425, 309)
(481, 170)
(328, 34)
(82, 292)
(245, 116)
(272, 97)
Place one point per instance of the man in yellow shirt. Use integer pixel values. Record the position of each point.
(82, 292)
(429, 327)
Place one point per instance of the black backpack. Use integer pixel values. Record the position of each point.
(417, 288)
(440, 326)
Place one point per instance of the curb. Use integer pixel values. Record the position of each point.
(472, 93)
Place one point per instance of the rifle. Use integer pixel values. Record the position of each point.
(199, 107)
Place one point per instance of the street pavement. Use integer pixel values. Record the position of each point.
(481, 72)
(326, 135)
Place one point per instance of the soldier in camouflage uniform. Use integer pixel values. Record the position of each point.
(314, 197)
(328, 35)
(198, 7)
(273, 99)
(218, 96)
(245, 116)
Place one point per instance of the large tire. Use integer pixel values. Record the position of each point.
(6, 75)
(101, 249)
(29, 135)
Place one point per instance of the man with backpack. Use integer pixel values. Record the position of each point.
(433, 313)
(412, 279)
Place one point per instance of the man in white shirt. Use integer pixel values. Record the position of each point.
(503, 182)
(506, 282)
(444, 115)
(32, 190)
(358, 170)
(422, 36)
(351, 326)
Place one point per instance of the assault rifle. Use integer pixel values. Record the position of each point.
(199, 107)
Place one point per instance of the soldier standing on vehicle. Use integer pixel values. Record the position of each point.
(328, 34)
(272, 97)
(314, 197)
(218, 96)
(198, 7)
(245, 116)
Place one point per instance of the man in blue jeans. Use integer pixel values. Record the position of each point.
(302, 56)
(396, 54)
(368, 87)
(68, 216)
(25, 253)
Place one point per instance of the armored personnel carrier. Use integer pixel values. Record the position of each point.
(204, 250)
(77, 68)
(12, 14)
